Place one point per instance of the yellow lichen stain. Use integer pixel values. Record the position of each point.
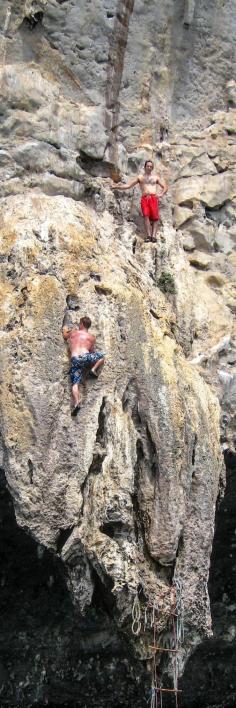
(111, 288)
(30, 254)
(103, 288)
(7, 240)
(78, 241)
(164, 350)
(161, 346)
(215, 280)
(6, 303)
(145, 140)
(232, 259)
(45, 290)
(72, 273)
(17, 419)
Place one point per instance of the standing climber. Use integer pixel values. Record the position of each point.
(83, 357)
(149, 201)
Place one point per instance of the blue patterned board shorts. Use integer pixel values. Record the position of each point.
(80, 363)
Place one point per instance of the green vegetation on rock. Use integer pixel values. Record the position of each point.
(166, 282)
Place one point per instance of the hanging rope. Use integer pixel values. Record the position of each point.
(179, 610)
(160, 696)
(136, 617)
(171, 602)
(153, 697)
(174, 657)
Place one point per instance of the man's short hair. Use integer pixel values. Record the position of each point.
(147, 163)
(85, 321)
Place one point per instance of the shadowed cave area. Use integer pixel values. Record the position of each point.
(50, 655)
(209, 680)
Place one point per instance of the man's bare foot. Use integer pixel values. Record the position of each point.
(75, 410)
(93, 374)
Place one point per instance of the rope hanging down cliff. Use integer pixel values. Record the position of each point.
(171, 644)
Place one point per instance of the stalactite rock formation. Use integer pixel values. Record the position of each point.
(124, 495)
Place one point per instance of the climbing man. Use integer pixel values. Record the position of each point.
(83, 357)
(148, 182)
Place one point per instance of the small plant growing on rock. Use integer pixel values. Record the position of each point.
(166, 282)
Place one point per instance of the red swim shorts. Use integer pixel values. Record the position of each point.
(150, 206)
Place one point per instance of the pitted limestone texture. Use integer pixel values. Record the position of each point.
(122, 499)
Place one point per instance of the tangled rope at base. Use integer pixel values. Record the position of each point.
(176, 635)
(179, 611)
(171, 643)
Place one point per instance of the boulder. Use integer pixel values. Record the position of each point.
(223, 241)
(199, 260)
(202, 233)
(231, 92)
(198, 166)
(181, 215)
(189, 244)
(212, 190)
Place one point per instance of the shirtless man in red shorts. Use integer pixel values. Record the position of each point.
(149, 202)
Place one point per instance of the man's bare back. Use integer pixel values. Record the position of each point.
(83, 356)
(81, 342)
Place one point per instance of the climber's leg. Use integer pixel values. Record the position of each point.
(76, 376)
(154, 230)
(154, 206)
(93, 371)
(77, 399)
(145, 200)
(94, 360)
(148, 228)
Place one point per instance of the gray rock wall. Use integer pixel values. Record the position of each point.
(125, 495)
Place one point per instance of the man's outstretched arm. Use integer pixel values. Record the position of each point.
(66, 332)
(163, 185)
(122, 185)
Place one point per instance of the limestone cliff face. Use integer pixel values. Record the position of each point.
(120, 501)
